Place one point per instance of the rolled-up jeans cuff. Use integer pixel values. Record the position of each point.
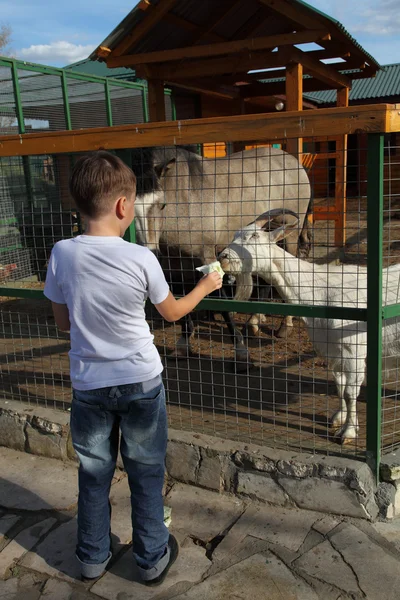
(93, 571)
(153, 572)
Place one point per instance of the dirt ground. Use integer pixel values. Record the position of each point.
(284, 400)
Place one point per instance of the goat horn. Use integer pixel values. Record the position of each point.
(276, 212)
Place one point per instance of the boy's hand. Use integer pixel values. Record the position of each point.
(173, 310)
(211, 282)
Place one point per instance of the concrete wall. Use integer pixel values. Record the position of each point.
(326, 484)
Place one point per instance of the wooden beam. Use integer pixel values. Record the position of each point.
(315, 54)
(238, 108)
(222, 12)
(376, 118)
(274, 88)
(251, 25)
(294, 87)
(300, 15)
(153, 15)
(326, 54)
(240, 66)
(155, 91)
(220, 49)
(189, 26)
(103, 52)
(343, 97)
(294, 13)
(217, 66)
(294, 101)
(208, 87)
(257, 90)
(393, 118)
(334, 49)
(144, 4)
(319, 70)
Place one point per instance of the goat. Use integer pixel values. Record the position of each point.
(342, 343)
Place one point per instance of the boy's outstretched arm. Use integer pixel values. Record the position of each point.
(61, 316)
(173, 310)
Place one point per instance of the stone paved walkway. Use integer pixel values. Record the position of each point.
(230, 549)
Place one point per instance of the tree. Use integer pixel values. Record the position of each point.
(5, 39)
(6, 122)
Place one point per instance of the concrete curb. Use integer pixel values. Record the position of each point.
(314, 482)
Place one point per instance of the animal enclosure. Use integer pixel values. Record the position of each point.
(255, 379)
(34, 99)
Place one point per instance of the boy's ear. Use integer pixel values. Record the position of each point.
(120, 207)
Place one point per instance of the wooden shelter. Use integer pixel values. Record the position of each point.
(239, 56)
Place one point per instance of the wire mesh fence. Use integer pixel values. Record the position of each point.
(271, 379)
(287, 375)
(288, 396)
(391, 259)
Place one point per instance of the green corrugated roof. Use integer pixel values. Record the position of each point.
(384, 85)
(100, 69)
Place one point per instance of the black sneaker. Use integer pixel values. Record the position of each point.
(174, 551)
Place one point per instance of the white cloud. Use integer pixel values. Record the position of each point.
(379, 18)
(61, 52)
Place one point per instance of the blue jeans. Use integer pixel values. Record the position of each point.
(138, 411)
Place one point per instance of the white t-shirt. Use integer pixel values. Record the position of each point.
(105, 281)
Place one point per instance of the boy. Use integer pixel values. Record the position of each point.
(98, 284)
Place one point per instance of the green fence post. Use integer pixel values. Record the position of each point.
(145, 105)
(26, 165)
(17, 94)
(374, 298)
(130, 233)
(67, 112)
(108, 103)
(173, 107)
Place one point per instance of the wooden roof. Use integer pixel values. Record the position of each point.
(214, 45)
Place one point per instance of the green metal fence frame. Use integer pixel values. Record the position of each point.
(374, 314)
(375, 311)
(17, 65)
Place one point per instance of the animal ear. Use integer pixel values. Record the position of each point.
(162, 168)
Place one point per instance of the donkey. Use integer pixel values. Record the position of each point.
(193, 206)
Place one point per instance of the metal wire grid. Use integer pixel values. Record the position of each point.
(35, 212)
(391, 255)
(283, 401)
(169, 109)
(42, 101)
(33, 358)
(286, 399)
(14, 258)
(8, 118)
(127, 105)
(87, 104)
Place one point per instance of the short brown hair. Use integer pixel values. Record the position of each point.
(99, 178)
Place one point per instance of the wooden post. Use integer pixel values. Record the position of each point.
(294, 101)
(238, 108)
(156, 100)
(62, 174)
(341, 176)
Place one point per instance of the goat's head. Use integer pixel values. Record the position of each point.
(253, 248)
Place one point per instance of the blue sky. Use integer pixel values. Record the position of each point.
(58, 32)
